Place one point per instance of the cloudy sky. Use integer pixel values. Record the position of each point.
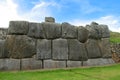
(76, 12)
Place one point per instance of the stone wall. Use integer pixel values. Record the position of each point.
(115, 49)
(30, 45)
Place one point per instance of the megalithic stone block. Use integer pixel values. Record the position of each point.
(93, 48)
(77, 50)
(9, 64)
(3, 33)
(105, 48)
(36, 30)
(44, 49)
(60, 49)
(49, 19)
(83, 34)
(98, 62)
(69, 31)
(105, 31)
(2, 46)
(95, 31)
(30, 64)
(49, 64)
(51, 30)
(18, 46)
(18, 27)
(74, 63)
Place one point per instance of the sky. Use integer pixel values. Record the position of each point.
(75, 12)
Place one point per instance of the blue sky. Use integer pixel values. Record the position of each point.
(76, 12)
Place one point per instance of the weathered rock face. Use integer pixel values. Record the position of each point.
(36, 30)
(51, 30)
(54, 64)
(3, 33)
(95, 32)
(105, 48)
(74, 63)
(82, 34)
(77, 50)
(69, 31)
(31, 63)
(18, 46)
(18, 27)
(105, 31)
(49, 19)
(60, 49)
(44, 49)
(9, 64)
(93, 49)
(98, 61)
(2, 42)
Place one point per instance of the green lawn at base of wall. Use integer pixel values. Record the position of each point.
(92, 73)
(114, 37)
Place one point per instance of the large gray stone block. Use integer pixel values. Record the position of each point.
(2, 42)
(36, 30)
(73, 63)
(60, 49)
(111, 61)
(30, 64)
(3, 33)
(93, 49)
(95, 32)
(83, 34)
(17, 46)
(51, 30)
(49, 19)
(105, 31)
(105, 47)
(98, 62)
(49, 64)
(69, 31)
(18, 27)
(9, 64)
(77, 50)
(44, 49)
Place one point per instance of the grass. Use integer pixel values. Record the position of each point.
(114, 37)
(92, 73)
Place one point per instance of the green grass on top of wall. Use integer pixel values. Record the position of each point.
(114, 37)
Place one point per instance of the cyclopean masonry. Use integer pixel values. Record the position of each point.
(29, 45)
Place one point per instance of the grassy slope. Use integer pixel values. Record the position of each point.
(114, 37)
(93, 73)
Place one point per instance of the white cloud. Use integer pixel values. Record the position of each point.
(84, 6)
(112, 22)
(8, 11)
(87, 8)
(40, 10)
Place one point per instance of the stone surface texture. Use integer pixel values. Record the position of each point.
(20, 46)
(69, 31)
(44, 49)
(18, 27)
(77, 50)
(60, 49)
